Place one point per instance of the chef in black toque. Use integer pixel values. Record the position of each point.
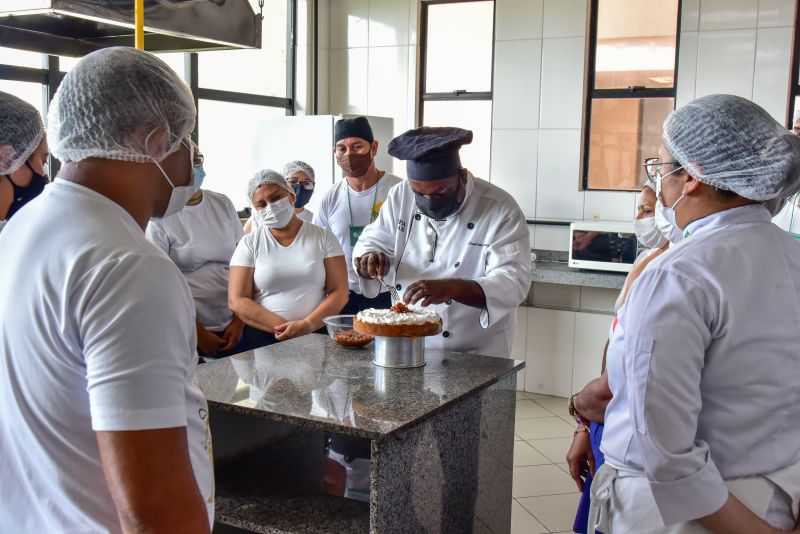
(447, 239)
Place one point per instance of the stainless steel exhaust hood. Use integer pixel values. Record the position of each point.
(77, 27)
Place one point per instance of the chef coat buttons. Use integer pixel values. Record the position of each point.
(417, 217)
(449, 302)
(470, 226)
(399, 287)
(457, 263)
(445, 334)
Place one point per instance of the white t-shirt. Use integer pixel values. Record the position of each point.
(334, 214)
(200, 240)
(289, 281)
(305, 215)
(97, 335)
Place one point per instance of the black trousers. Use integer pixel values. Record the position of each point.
(358, 302)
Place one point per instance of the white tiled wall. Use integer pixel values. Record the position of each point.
(734, 46)
(739, 46)
(373, 59)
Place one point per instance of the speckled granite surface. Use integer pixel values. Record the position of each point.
(278, 489)
(561, 273)
(450, 474)
(314, 383)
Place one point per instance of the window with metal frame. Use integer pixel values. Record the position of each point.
(455, 72)
(26, 74)
(631, 83)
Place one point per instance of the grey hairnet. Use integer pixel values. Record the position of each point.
(649, 184)
(115, 104)
(297, 165)
(21, 131)
(264, 177)
(731, 143)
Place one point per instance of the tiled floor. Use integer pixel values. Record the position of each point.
(544, 496)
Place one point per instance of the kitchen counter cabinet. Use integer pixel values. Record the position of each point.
(441, 439)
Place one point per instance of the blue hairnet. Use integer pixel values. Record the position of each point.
(731, 143)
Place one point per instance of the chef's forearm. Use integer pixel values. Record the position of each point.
(469, 292)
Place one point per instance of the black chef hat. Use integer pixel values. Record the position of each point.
(431, 153)
(357, 127)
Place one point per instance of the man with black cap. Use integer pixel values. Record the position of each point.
(356, 201)
(450, 240)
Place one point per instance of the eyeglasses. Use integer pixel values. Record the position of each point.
(307, 184)
(197, 156)
(653, 168)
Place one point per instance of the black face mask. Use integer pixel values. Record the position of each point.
(441, 207)
(23, 195)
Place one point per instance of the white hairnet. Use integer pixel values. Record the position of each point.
(731, 143)
(264, 177)
(114, 104)
(649, 184)
(297, 165)
(21, 131)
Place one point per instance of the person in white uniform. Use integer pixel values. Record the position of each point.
(23, 155)
(353, 203)
(452, 241)
(200, 239)
(300, 176)
(789, 217)
(287, 275)
(102, 425)
(704, 362)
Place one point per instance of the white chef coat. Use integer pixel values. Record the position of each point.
(97, 334)
(289, 281)
(789, 217)
(486, 240)
(334, 214)
(704, 364)
(200, 239)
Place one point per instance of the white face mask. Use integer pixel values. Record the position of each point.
(180, 195)
(665, 216)
(276, 214)
(648, 234)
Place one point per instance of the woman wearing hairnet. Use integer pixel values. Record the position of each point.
(102, 425)
(286, 275)
(300, 177)
(704, 363)
(200, 240)
(588, 407)
(23, 155)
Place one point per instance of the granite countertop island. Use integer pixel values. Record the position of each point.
(441, 439)
(552, 267)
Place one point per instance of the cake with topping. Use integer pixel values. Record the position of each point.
(398, 321)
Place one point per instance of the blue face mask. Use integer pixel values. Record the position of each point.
(199, 174)
(303, 195)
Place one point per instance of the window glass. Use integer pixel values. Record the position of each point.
(636, 43)
(229, 138)
(623, 132)
(475, 115)
(458, 52)
(259, 71)
(21, 58)
(33, 93)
